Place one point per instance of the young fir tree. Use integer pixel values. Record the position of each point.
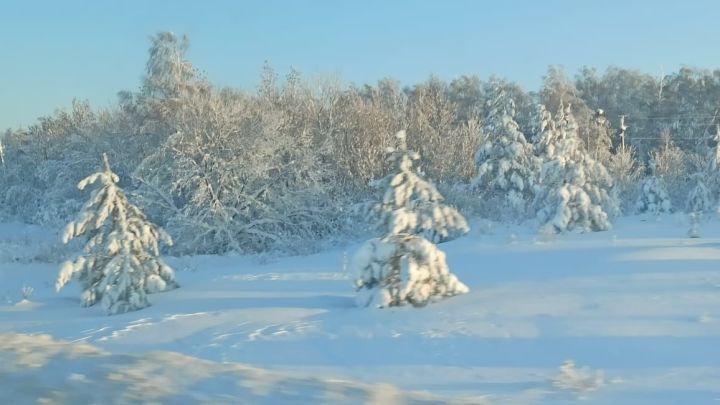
(574, 191)
(403, 267)
(654, 196)
(698, 202)
(506, 165)
(120, 263)
(411, 204)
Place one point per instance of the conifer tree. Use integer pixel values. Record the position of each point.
(506, 166)
(120, 262)
(411, 204)
(403, 267)
(574, 191)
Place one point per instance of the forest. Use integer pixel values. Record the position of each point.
(293, 166)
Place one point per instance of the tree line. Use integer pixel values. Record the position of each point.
(290, 167)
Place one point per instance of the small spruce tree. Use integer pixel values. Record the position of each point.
(506, 165)
(403, 267)
(574, 189)
(120, 262)
(411, 204)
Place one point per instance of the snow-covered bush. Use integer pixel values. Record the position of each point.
(580, 380)
(120, 262)
(653, 197)
(574, 189)
(712, 162)
(402, 269)
(626, 173)
(26, 291)
(699, 197)
(672, 164)
(570, 208)
(698, 203)
(506, 165)
(411, 204)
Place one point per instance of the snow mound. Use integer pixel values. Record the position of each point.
(580, 380)
(38, 369)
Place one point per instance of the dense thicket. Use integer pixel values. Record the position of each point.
(283, 167)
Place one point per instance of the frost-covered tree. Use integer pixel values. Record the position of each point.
(411, 204)
(654, 197)
(120, 262)
(574, 191)
(506, 165)
(403, 267)
(698, 202)
(168, 72)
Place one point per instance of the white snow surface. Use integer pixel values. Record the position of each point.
(628, 316)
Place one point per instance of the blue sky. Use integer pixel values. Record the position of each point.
(54, 51)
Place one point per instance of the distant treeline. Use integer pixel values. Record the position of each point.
(289, 166)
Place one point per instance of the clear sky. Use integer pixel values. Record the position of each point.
(53, 51)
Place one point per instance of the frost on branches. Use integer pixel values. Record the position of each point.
(505, 161)
(120, 262)
(574, 189)
(654, 196)
(402, 269)
(412, 205)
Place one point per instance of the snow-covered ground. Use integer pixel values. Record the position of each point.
(636, 310)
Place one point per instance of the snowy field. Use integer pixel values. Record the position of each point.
(637, 309)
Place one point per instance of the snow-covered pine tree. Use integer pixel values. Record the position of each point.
(654, 197)
(411, 204)
(545, 133)
(120, 262)
(506, 165)
(698, 203)
(403, 267)
(574, 191)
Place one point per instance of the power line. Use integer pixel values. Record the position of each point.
(669, 117)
